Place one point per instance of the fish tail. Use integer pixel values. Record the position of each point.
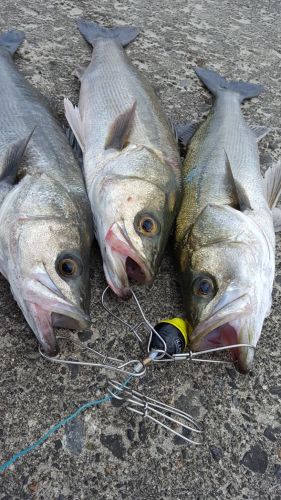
(215, 82)
(93, 31)
(12, 40)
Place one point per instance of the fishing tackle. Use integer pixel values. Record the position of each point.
(174, 332)
(166, 342)
(106, 362)
(164, 415)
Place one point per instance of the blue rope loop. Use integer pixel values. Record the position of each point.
(58, 426)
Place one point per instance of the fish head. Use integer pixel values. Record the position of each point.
(49, 261)
(137, 214)
(228, 281)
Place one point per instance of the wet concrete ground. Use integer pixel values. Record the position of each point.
(108, 453)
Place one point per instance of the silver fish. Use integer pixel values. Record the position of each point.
(45, 216)
(131, 159)
(225, 240)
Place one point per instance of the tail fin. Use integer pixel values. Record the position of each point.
(12, 40)
(215, 82)
(93, 31)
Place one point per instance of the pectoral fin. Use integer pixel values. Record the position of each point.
(272, 184)
(185, 131)
(276, 215)
(11, 164)
(120, 129)
(13, 158)
(241, 193)
(259, 131)
(73, 117)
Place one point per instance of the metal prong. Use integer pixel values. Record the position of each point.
(194, 356)
(114, 395)
(155, 410)
(155, 406)
(170, 429)
(134, 328)
(107, 362)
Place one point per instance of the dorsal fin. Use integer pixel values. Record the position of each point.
(259, 131)
(120, 129)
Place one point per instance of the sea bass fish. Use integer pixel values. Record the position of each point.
(225, 241)
(45, 216)
(131, 159)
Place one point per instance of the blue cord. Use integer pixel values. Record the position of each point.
(57, 426)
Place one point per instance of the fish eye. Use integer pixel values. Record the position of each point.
(203, 287)
(69, 266)
(147, 225)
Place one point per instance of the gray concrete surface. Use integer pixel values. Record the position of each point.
(107, 453)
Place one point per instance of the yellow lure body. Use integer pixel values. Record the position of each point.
(182, 325)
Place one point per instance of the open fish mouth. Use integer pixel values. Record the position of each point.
(122, 264)
(227, 335)
(43, 323)
(227, 327)
(45, 308)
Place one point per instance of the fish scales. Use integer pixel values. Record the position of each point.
(100, 103)
(45, 218)
(22, 109)
(131, 160)
(225, 242)
(203, 167)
